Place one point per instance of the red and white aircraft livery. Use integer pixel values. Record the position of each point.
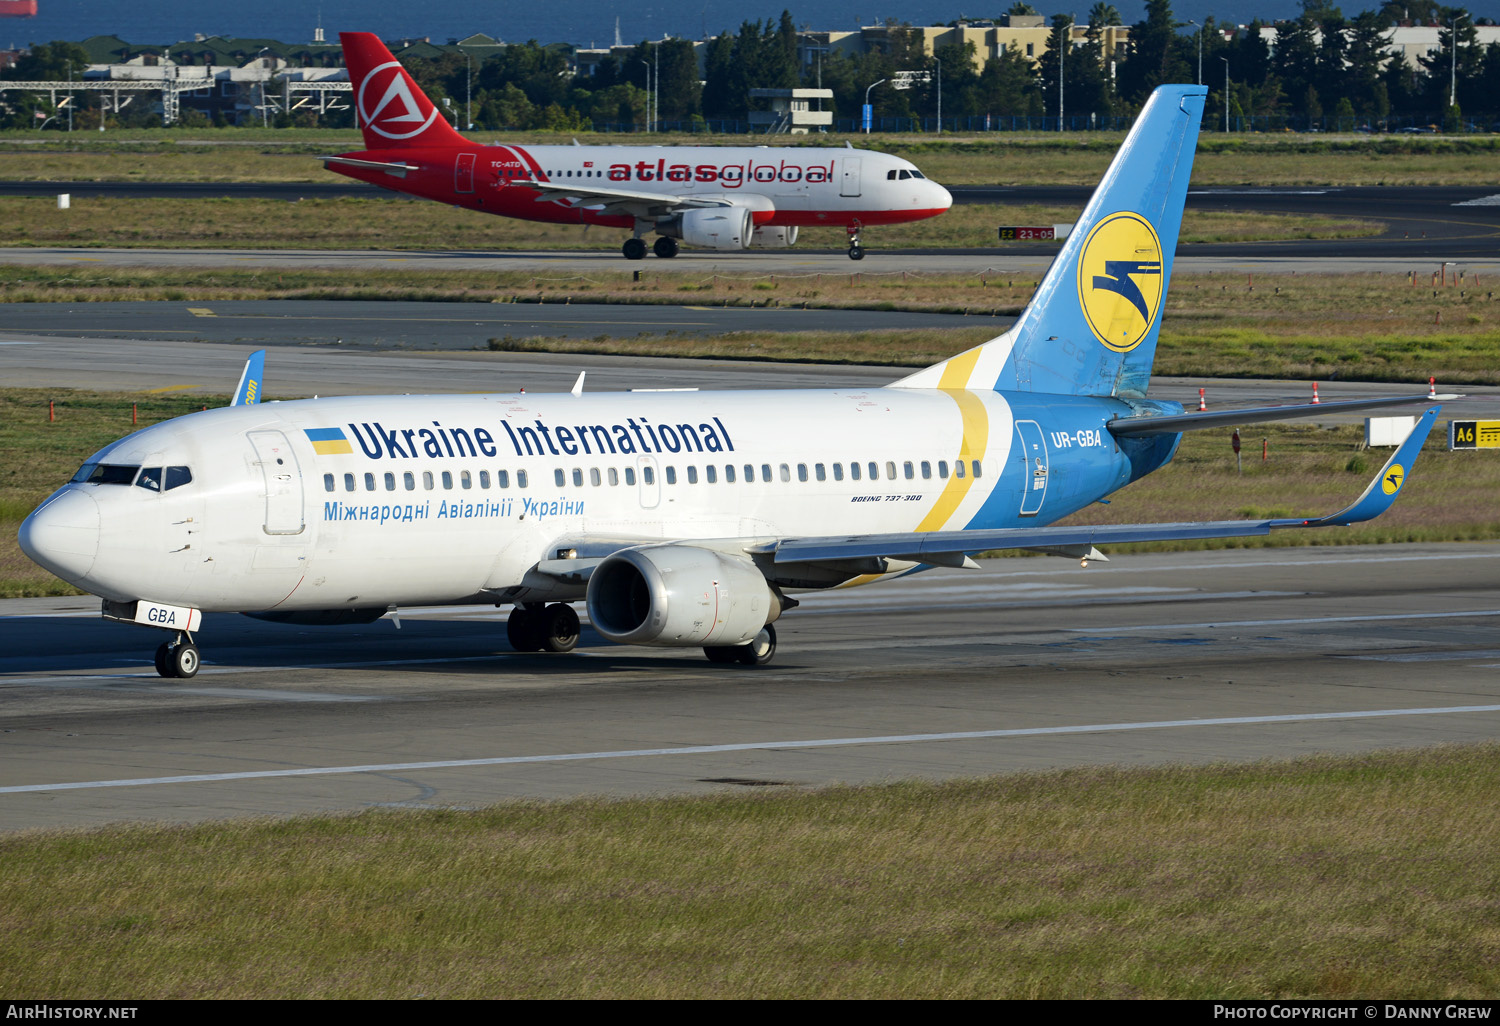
(714, 197)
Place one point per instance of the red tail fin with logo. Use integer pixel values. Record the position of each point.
(393, 111)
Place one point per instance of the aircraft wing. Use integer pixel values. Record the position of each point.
(616, 201)
(247, 392)
(951, 548)
(1171, 424)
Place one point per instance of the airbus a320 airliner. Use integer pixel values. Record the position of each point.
(712, 197)
(681, 519)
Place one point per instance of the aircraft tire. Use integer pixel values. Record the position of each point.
(634, 249)
(722, 653)
(163, 655)
(759, 650)
(664, 247)
(856, 252)
(183, 660)
(524, 630)
(560, 628)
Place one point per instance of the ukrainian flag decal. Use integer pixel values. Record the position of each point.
(328, 441)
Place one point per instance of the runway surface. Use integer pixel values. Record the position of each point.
(1026, 664)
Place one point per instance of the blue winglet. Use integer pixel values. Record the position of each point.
(247, 392)
(1377, 498)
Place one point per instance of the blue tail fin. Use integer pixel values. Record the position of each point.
(1091, 328)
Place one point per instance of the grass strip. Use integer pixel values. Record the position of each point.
(1317, 878)
(280, 155)
(223, 222)
(1310, 470)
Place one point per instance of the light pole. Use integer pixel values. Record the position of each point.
(940, 94)
(1453, 74)
(867, 105)
(1200, 50)
(1226, 94)
(468, 93)
(640, 60)
(1062, 53)
(263, 120)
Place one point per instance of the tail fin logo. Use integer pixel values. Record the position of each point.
(1391, 482)
(1120, 280)
(398, 107)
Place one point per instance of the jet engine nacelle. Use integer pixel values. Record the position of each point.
(710, 227)
(779, 237)
(679, 595)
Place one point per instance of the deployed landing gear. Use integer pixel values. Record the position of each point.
(177, 658)
(551, 628)
(755, 652)
(634, 249)
(664, 247)
(856, 251)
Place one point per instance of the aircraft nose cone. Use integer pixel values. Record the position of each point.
(942, 198)
(62, 535)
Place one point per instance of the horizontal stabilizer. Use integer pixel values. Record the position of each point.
(399, 170)
(1172, 424)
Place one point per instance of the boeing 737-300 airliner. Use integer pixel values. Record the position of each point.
(712, 197)
(681, 519)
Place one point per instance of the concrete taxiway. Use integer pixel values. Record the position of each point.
(1025, 664)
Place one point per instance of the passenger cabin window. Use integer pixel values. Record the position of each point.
(671, 475)
(427, 480)
(410, 480)
(577, 477)
(521, 479)
(729, 473)
(348, 482)
(943, 469)
(978, 468)
(630, 476)
(448, 480)
(594, 478)
(390, 482)
(327, 480)
(484, 479)
(711, 474)
(786, 472)
(874, 471)
(692, 475)
(502, 479)
(802, 472)
(908, 470)
(838, 471)
(466, 481)
(821, 471)
(648, 476)
(854, 471)
(926, 469)
(559, 478)
(890, 470)
(958, 468)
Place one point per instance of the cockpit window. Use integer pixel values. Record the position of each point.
(917, 174)
(150, 479)
(108, 473)
(84, 473)
(177, 477)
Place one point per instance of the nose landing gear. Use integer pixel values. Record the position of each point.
(856, 251)
(178, 658)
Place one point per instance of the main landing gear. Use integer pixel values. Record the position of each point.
(664, 247)
(178, 658)
(856, 251)
(538, 628)
(755, 652)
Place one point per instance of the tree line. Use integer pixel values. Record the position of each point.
(1324, 68)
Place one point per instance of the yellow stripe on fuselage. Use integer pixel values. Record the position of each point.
(332, 446)
(976, 421)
